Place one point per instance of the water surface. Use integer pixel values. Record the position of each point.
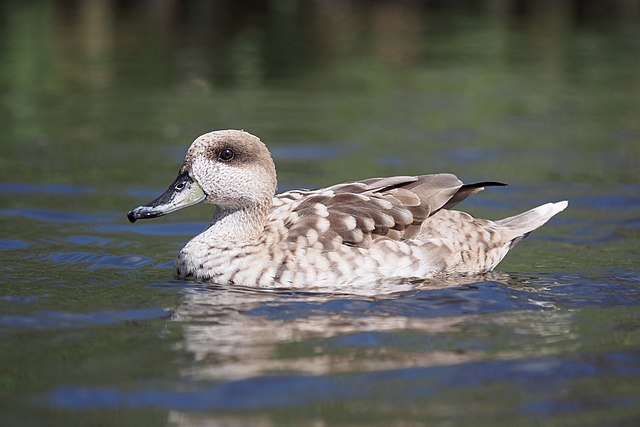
(101, 99)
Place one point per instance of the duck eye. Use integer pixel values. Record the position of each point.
(226, 154)
(179, 186)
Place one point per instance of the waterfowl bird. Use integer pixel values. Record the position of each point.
(344, 235)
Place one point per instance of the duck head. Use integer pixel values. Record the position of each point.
(231, 169)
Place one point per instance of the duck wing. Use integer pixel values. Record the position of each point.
(358, 213)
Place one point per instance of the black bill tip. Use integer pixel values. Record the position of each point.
(131, 216)
(144, 212)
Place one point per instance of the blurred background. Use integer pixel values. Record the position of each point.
(100, 99)
(520, 91)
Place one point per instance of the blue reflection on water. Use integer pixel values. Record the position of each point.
(82, 240)
(155, 229)
(64, 319)
(55, 216)
(20, 299)
(13, 244)
(61, 189)
(100, 260)
(273, 391)
(480, 297)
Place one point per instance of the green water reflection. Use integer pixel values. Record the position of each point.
(93, 89)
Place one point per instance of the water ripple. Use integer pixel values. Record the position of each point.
(96, 261)
(50, 215)
(151, 229)
(281, 391)
(63, 319)
(479, 297)
(13, 244)
(21, 299)
(60, 189)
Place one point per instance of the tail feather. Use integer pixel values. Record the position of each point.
(519, 226)
(469, 190)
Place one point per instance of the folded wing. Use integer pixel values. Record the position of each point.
(359, 213)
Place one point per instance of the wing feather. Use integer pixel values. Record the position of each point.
(358, 213)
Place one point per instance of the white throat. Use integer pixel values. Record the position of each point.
(235, 225)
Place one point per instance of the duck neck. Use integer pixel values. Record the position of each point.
(237, 225)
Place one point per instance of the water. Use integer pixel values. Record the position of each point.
(100, 100)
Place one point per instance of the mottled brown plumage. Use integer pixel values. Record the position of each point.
(343, 235)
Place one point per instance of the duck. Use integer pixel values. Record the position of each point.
(343, 236)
